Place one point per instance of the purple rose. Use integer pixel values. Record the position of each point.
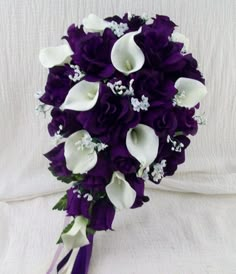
(146, 82)
(138, 185)
(74, 35)
(64, 122)
(57, 87)
(151, 42)
(172, 58)
(190, 69)
(134, 23)
(77, 205)
(98, 177)
(177, 65)
(92, 53)
(115, 18)
(111, 117)
(162, 119)
(163, 24)
(58, 162)
(186, 123)
(154, 39)
(94, 183)
(153, 85)
(103, 213)
(123, 161)
(173, 158)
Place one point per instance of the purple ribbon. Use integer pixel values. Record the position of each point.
(81, 264)
(63, 261)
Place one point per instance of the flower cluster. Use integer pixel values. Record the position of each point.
(123, 93)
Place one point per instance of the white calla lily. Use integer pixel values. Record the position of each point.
(190, 92)
(180, 38)
(76, 236)
(80, 156)
(119, 191)
(142, 143)
(82, 96)
(53, 56)
(93, 23)
(126, 56)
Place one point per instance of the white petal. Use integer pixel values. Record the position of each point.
(77, 160)
(126, 56)
(192, 90)
(93, 23)
(142, 143)
(82, 96)
(76, 236)
(119, 191)
(180, 38)
(53, 56)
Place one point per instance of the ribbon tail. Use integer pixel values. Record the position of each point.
(81, 265)
(77, 264)
(63, 262)
(58, 254)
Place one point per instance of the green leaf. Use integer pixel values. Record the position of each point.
(61, 204)
(90, 231)
(65, 230)
(178, 133)
(67, 179)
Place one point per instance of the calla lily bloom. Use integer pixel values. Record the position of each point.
(142, 143)
(126, 56)
(79, 153)
(190, 92)
(76, 236)
(180, 38)
(82, 96)
(54, 56)
(119, 191)
(93, 23)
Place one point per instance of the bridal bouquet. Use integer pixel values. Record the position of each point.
(123, 95)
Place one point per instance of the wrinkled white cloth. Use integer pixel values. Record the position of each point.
(175, 232)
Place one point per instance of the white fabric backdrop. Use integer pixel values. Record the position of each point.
(208, 246)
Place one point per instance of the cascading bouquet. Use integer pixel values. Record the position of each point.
(123, 95)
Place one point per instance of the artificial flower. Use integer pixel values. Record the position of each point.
(92, 53)
(63, 123)
(110, 119)
(57, 86)
(119, 191)
(122, 160)
(57, 161)
(126, 56)
(190, 92)
(142, 143)
(76, 236)
(54, 56)
(82, 96)
(93, 23)
(162, 119)
(103, 214)
(76, 204)
(79, 159)
(180, 38)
